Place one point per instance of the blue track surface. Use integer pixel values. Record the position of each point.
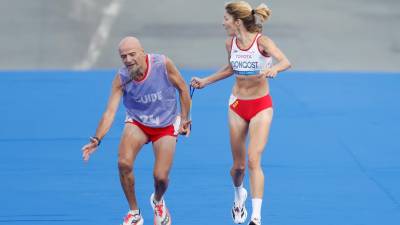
(333, 155)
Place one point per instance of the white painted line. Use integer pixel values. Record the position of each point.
(101, 35)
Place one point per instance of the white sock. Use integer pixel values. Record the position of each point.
(238, 192)
(134, 212)
(256, 205)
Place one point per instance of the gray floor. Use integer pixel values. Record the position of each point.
(329, 35)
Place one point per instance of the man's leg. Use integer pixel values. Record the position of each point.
(164, 150)
(132, 141)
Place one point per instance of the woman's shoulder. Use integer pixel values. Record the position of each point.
(263, 39)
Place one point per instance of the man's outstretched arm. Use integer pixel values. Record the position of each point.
(106, 120)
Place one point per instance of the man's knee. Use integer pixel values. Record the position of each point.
(238, 169)
(124, 166)
(160, 178)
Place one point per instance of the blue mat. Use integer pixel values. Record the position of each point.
(333, 155)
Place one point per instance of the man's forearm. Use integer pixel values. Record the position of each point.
(185, 104)
(104, 125)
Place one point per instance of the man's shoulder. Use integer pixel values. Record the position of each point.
(158, 59)
(157, 56)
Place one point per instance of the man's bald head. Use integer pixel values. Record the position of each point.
(132, 55)
(128, 43)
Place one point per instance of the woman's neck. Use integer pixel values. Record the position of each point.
(244, 37)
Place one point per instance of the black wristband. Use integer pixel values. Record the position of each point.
(97, 139)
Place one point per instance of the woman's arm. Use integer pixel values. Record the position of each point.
(221, 74)
(268, 46)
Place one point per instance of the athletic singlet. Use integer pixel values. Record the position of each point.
(151, 101)
(248, 61)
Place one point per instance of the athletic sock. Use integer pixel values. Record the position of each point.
(256, 205)
(238, 192)
(134, 212)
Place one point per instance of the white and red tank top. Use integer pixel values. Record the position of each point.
(249, 61)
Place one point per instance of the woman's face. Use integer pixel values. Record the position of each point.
(229, 24)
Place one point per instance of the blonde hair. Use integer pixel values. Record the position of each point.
(252, 18)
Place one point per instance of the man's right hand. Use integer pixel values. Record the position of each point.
(89, 148)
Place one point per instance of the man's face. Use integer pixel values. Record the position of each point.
(132, 57)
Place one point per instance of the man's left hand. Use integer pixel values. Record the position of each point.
(184, 127)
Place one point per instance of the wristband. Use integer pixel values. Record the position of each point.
(97, 139)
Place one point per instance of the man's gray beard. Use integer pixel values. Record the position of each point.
(134, 74)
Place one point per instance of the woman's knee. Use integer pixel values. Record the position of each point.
(254, 161)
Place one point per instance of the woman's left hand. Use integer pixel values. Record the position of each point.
(269, 73)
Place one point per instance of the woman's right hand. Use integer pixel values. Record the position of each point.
(198, 82)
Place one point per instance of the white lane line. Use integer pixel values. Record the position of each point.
(101, 35)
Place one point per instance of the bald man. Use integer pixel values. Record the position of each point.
(147, 84)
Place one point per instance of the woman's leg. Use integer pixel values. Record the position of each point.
(258, 136)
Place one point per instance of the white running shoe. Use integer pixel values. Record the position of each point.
(133, 218)
(255, 221)
(239, 212)
(161, 213)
